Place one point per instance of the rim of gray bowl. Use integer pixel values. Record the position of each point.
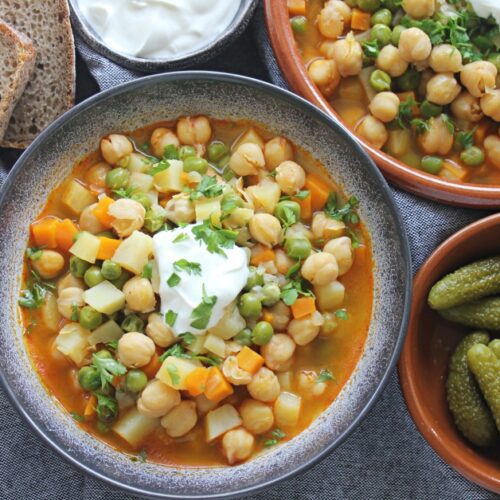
(388, 198)
(230, 34)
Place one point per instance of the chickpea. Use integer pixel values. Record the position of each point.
(324, 227)
(438, 139)
(329, 326)
(135, 350)
(492, 149)
(414, 45)
(373, 130)
(281, 316)
(341, 249)
(89, 222)
(305, 330)
(161, 138)
(96, 175)
(69, 281)
(247, 159)
(419, 9)
(290, 177)
(330, 296)
(139, 294)
(445, 58)
(385, 106)
(115, 147)
(324, 73)
(179, 421)
(442, 89)
(466, 107)
(257, 417)
(276, 151)
(348, 55)
(490, 104)
(278, 353)
(478, 77)
(282, 261)
(265, 229)
(264, 386)
(49, 264)
(390, 60)
(238, 445)
(332, 19)
(233, 373)
(129, 216)
(68, 299)
(320, 268)
(180, 210)
(157, 399)
(194, 130)
(159, 332)
(308, 384)
(299, 231)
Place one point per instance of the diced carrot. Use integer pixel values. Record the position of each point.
(116, 381)
(305, 207)
(360, 20)
(267, 316)
(303, 307)
(196, 381)
(263, 255)
(65, 234)
(101, 211)
(107, 248)
(296, 7)
(249, 360)
(217, 387)
(45, 232)
(319, 191)
(90, 406)
(481, 133)
(151, 369)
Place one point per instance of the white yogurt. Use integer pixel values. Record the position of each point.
(222, 277)
(485, 8)
(158, 29)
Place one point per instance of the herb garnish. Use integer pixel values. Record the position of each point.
(170, 317)
(173, 280)
(187, 338)
(159, 167)
(277, 435)
(180, 237)
(174, 374)
(193, 268)
(108, 369)
(105, 403)
(421, 126)
(346, 213)
(405, 113)
(34, 253)
(448, 122)
(147, 270)
(208, 188)
(170, 152)
(202, 312)
(33, 298)
(371, 48)
(74, 312)
(76, 416)
(342, 314)
(125, 192)
(178, 351)
(325, 376)
(465, 139)
(215, 238)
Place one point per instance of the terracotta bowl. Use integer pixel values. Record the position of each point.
(404, 176)
(431, 340)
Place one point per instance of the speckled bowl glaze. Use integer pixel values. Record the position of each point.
(50, 159)
(229, 35)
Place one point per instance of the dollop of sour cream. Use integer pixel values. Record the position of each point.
(158, 29)
(218, 276)
(486, 8)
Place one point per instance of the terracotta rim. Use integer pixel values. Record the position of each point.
(402, 175)
(407, 369)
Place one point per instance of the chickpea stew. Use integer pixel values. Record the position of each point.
(196, 291)
(417, 79)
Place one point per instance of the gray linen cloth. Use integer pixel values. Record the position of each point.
(384, 458)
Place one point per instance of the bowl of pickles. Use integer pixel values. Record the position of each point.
(450, 364)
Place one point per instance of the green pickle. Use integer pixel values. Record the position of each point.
(485, 366)
(484, 313)
(471, 282)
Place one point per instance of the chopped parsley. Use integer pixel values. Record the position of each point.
(302, 195)
(214, 238)
(170, 317)
(180, 237)
(108, 369)
(421, 126)
(34, 253)
(147, 270)
(106, 406)
(291, 291)
(207, 188)
(371, 48)
(192, 268)
(405, 113)
(277, 435)
(33, 298)
(293, 270)
(324, 376)
(125, 192)
(171, 152)
(174, 374)
(159, 167)
(346, 213)
(448, 122)
(464, 139)
(74, 313)
(142, 456)
(187, 338)
(76, 416)
(342, 314)
(202, 312)
(113, 345)
(174, 280)
(288, 217)
(178, 351)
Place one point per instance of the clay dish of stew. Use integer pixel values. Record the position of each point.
(402, 175)
(430, 342)
(136, 104)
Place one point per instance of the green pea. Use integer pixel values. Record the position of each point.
(254, 278)
(299, 24)
(107, 410)
(106, 234)
(143, 199)
(103, 354)
(262, 333)
(381, 33)
(382, 16)
(132, 323)
(111, 270)
(223, 163)
(155, 218)
(135, 380)
(90, 318)
(431, 164)
(483, 42)
(369, 5)
(409, 80)
(495, 59)
(380, 80)
(429, 109)
(89, 378)
(244, 337)
(195, 164)
(250, 305)
(396, 34)
(392, 5)
(117, 178)
(93, 276)
(216, 151)
(186, 152)
(298, 248)
(270, 294)
(77, 266)
(124, 277)
(288, 211)
(473, 156)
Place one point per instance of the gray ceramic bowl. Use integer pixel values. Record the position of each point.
(229, 35)
(50, 159)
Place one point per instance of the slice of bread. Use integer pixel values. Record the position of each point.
(17, 60)
(51, 89)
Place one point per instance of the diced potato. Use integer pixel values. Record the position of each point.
(134, 252)
(107, 332)
(49, 312)
(86, 247)
(197, 347)
(364, 79)
(140, 182)
(138, 163)
(174, 371)
(265, 195)
(105, 298)
(76, 198)
(208, 209)
(251, 135)
(351, 89)
(153, 197)
(230, 324)
(134, 427)
(399, 142)
(287, 409)
(286, 380)
(72, 341)
(221, 420)
(239, 217)
(170, 180)
(215, 345)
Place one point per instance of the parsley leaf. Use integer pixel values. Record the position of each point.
(371, 48)
(405, 113)
(187, 338)
(124, 192)
(208, 188)
(202, 312)
(293, 270)
(342, 314)
(448, 122)
(174, 280)
(287, 216)
(302, 195)
(277, 435)
(174, 374)
(215, 238)
(170, 317)
(180, 237)
(421, 126)
(33, 298)
(74, 312)
(346, 213)
(171, 152)
(108, 369)
(142, 456)
(179, 352)
(325, 376)
(465, 139)
(291, 291)
(113, 345)
(106, 406)
(193, 268)
(34, 253)
(77, 416)
(159, 167)
(147, 270)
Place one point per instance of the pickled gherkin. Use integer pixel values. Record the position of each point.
(469, 283)
(470, 412)
(485, 366)
(484, 313)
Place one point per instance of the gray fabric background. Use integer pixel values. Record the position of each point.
(384, 458)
